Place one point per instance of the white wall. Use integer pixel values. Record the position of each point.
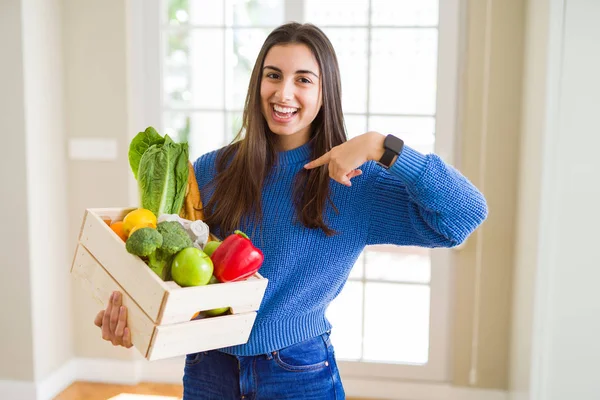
(528, 216)
(96, 98)
(47, 185)
(16, 338)
(567, 327)
(36, 322)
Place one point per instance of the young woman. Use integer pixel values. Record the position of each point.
(311, 200)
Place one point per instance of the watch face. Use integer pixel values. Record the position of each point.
(392, 148)
(393, 143)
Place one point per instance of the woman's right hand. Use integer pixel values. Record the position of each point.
(113, 322)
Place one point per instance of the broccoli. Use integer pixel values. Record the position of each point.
(144, 242)
(159, 245)
(160, 263)
(175, 237)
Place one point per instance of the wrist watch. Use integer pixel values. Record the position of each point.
(392, 146)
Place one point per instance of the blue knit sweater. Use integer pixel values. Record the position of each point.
(419, 201)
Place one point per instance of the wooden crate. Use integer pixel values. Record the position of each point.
(159, 312)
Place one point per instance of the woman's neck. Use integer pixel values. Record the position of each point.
(291, 142)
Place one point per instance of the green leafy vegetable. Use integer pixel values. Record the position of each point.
(140, 143)
(163, 177)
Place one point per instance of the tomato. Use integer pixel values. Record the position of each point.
(191, 267)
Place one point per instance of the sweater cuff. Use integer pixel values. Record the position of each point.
(409, 165)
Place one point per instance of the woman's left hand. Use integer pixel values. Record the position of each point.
(344, 159)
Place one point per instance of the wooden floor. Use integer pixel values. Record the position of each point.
(101, 391)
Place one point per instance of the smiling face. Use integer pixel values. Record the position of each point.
(290, 93)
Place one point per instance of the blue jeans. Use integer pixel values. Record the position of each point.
(306, 370)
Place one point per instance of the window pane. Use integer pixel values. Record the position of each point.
(351, 50)
(345, 314)
(177, 74)
(204, 131)
(359, 267)
(177, 125)
(355, 125)
(331, 12)
(243, 46)
(396, 323)
(403, 76)
(199, 70)
(195, 12)
(399, 266)
(417, 132)
(234, 123)
(254, 12)
(405, 12)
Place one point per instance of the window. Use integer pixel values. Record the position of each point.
(398, 61)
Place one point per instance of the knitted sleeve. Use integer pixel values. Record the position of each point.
(422, 201)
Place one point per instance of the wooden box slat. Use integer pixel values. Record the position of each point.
(100, 285)
(130, 271)
(201, 335)
(184, 302)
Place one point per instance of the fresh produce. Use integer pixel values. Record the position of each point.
(236, 258)
(191, 267)
(138, 146)
(158, 246)
(161, 168)
(167, 230)
(135, 228)
(138, 218)
(144, 242)
(215, 311)
(175, 238)
(117, 227)
(210, 247)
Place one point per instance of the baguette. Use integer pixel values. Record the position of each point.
(192, 204)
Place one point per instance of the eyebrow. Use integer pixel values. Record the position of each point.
(300, 71)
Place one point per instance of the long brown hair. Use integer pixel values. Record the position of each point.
(243, 166)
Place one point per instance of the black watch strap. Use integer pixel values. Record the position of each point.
(392, 147)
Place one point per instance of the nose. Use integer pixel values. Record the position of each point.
(285, 91)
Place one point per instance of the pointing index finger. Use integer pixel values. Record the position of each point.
(324, 159)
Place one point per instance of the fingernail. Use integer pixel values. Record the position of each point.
(117, 296)
(122, 309)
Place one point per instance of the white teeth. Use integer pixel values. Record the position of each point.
(284, 109)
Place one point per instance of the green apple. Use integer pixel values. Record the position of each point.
(191, 267)
(215, 311)
(210, 247)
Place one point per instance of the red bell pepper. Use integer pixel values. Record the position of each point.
(236, 258)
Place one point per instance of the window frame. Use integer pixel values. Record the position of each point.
(145, 101)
